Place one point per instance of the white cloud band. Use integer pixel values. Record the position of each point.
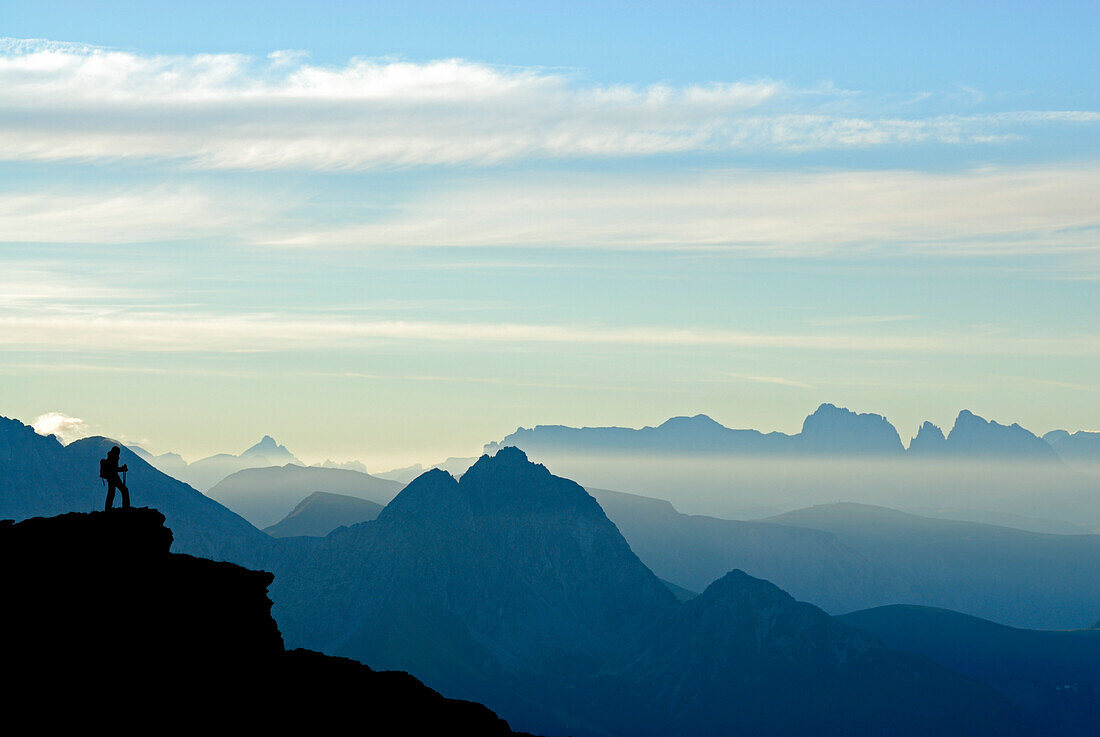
(66, 101)
(243, 333)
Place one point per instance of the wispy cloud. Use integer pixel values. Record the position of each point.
(1002, 210)
(131, 215)
(68, 101)
(772, 380)
(989, 210)
(860, 320)
(266, 332)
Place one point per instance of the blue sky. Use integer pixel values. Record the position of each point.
(397, 231)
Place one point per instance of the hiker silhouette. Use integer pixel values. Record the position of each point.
(109, 471)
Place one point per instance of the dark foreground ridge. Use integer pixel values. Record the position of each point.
(102, 626)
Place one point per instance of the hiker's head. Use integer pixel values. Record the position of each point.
(114, 451)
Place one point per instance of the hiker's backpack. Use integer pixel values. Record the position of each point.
(105, 468)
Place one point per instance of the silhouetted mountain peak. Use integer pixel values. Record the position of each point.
(431, 494)
(835, 429)
(696, 424)
(749, 613)
(929, 439)
(740, 585)
(973, 434)
(267, 447)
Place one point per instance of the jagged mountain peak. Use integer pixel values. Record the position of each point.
(840, 430)
(974, 434)
(503, 483)
(929, 439)
(266, 447)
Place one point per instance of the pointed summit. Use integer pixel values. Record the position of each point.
(928, 440)
(465, 583)
(271, 452)
(266, 446)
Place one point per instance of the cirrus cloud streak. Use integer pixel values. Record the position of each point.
(76, 329)
(72, 102)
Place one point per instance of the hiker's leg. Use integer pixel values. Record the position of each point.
(125, 495)
(110, 497)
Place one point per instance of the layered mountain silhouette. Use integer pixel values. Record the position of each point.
(745, 658)
(40, 477)
(1002, 519)
(829, 430)
(839, 455)
(321, 512)
(264, 496)
(1075, 447)
(1054, 674)
(454, 466)
(205, 472)
(345, 465)
(1014, 577)
(103, 628)
(467, 584)
(844, 557)
(512, 587)
(693, 551)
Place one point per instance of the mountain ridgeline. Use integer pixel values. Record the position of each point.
(511, 587)
(830, 430)
(40, 477)
(839, 455)
(205, 472)
(322, 512)
(264, 496)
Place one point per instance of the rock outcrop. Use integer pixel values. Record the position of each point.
(102, 627)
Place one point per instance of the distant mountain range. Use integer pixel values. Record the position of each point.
(512, 587)
(844, 557)
(1015, 577)
(41, 477)
(830, 430)
(1078, 447)
(264, 496)
(321, 512)
(839, 455)
(692, 551)
(454, 466)
(206, 472)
